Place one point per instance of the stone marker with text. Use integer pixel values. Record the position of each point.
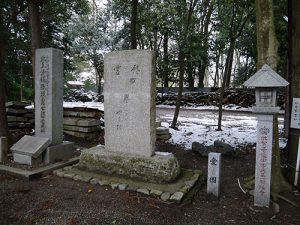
(213, 174)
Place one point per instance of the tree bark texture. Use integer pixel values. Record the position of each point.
(228, 63)
(36, 30)
(134, 12)
(294, 79)
(267, 43)
(166, 60)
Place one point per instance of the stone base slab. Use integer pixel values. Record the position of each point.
(59, 152)
(27, 159)
(161, 168)
(88, 136)
(175, 191)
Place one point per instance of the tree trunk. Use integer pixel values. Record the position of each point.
(191, 80)
(267, 54)
(4, 131)
(36, 30)
(201, 74)
(134, 11)
(166, 60)
(267, 43)
(228, 63)
(180, 89)
(294, 79)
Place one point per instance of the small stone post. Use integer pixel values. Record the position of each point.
(3, 149)
(213, 175)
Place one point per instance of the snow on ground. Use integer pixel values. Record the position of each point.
(91, 105)
(236, 130)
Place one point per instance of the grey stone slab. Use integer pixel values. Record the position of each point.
(155, 192)
(143, 191)
(13, 124)
(165, 196)
(82, 134)
(81, 122)
(213, 174)
(29, 115)
(27, 159)
(31, 146)
(11, 119)
(11, 111)
(129, 93)
(22, 119)
(24, 125)
(40, 172)
(263, 161)
(162, 131)
(49, 94)
(3, 149)
(177, 196)
(83, 114)
(59, 152)
(14, 104)
(82, 129)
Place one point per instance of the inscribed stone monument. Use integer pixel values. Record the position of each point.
(263, 160)
(49, 94)
(129, 98)
(129, 94)
(213, 175)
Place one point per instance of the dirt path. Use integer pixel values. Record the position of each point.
(54, 200)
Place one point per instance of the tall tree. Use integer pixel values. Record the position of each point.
(294, 79)
(267, 46)
(36, 29)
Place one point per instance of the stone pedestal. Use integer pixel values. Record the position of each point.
(213, 175)
(59, 152)
(159, 168)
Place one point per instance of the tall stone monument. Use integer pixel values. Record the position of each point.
(129, 113)
(265, 81)
(47, 145)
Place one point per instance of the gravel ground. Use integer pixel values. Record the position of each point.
(55, 200)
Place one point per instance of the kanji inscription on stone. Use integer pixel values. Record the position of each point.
(213, 175)
(295, 114)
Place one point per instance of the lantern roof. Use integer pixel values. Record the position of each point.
(266, 77)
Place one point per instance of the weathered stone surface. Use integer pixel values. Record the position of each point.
(163, 137)
(27, 159)
(82, 129)
(31, 145)
(11, 119)
(81, 122)
(86, 114)
(3, 149)
(157, 169)
(14, 104)
(155, 192)
(157, 123)
(165, 196)
(201, 149)
(223, 148)
(177, 196)
(21, 119)
(12, 111)
(94, 181)
(129, 93)
(122, 187)
(143, 191)
(103, 182)
(88, 136)
(24, 125)
(69, 175)
(59, 152)
(162, 131)
(213, 174)
(49, 94)
(114, 185)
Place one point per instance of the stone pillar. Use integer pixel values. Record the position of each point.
(49, 94)
(263, 160)
(3, 149)
(213, 175)
(129, 102)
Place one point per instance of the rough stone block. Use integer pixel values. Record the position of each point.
(83, 114)
(160, 168)
(31, 145)
(81, 122)
(59, 152)
(82, 129)
(81, 134)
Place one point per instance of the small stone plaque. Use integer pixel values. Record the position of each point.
(263, 162)
(295, 114)
(213, 175)
(31, 146)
